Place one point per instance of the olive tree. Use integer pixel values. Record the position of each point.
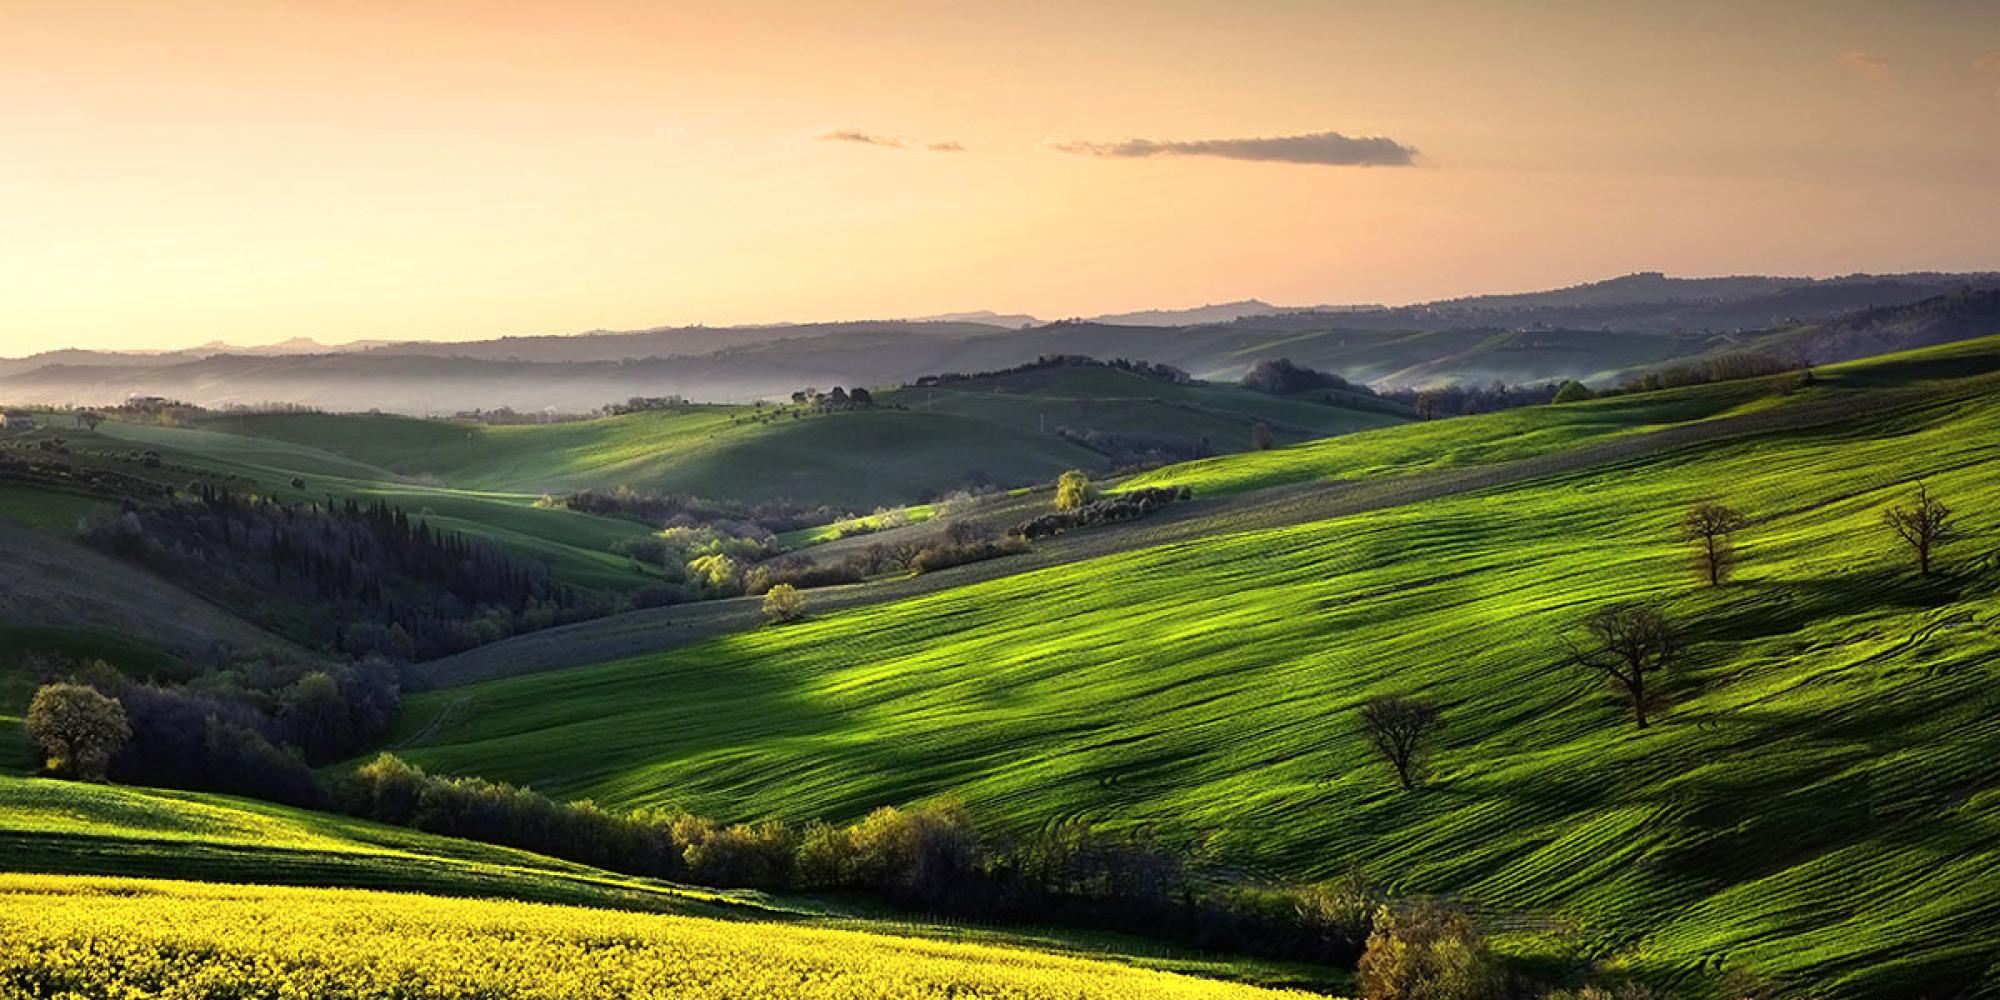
(78, 729)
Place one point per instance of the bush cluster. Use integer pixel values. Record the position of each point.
(930, 858)
(1121, 507)
(255, 728)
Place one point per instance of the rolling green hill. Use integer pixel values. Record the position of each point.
(997, 430)
(1819, 806)
(64, 827)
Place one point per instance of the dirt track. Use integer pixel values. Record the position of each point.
(639, 632)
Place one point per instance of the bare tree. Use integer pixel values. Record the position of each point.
(1261, 438)
(1397, 726)
(1709, 526)
(1923, 525)
(1624, 643)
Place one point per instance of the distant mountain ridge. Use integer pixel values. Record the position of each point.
(1597, 331)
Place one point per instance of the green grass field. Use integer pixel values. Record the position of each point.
(1821, 805)
(1525, 433)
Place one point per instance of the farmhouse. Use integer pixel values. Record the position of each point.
(17, 420)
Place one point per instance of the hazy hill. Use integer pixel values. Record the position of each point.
(1596, 331)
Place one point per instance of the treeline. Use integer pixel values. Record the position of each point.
(1283, 377)
(256, 728)
(663, 510)
(1721, 368)
(60, 474)
(1132, 451)
(1458, 400)
(932, 859)
(956, 544)
(1121, 507)
(360, 580)
(1146, 369)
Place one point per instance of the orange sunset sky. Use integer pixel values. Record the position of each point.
(177, 171)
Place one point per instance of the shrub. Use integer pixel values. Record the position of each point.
(1282, 378)
(922, 857)
(783, 603)
(1428, 953)
(736, 857)
(1572, 391)
(78, 729)
(1073, 490)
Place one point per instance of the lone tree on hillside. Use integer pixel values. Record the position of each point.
(1923, 525)
(1709, 526)
(78, 729)
(1624, 643)
(1072, 490)
(1572, 391)
(1261, 438)
(783, 603)
(1397, 726)
(88, 420)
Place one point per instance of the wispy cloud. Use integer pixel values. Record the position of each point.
(1868, 64)
(865, 138)
(889, 141)
(1330, 149)
(1988, 68)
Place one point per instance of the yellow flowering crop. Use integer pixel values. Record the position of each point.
(71, 937)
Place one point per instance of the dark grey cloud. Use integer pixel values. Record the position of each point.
(1330, 149)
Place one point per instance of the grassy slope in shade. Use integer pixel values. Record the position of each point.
(111, 936)
(575, 546)
(1819, 806)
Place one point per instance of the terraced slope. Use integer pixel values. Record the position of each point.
(124, 937)
(1819, 807)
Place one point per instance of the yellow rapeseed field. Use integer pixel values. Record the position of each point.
(72, 937)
